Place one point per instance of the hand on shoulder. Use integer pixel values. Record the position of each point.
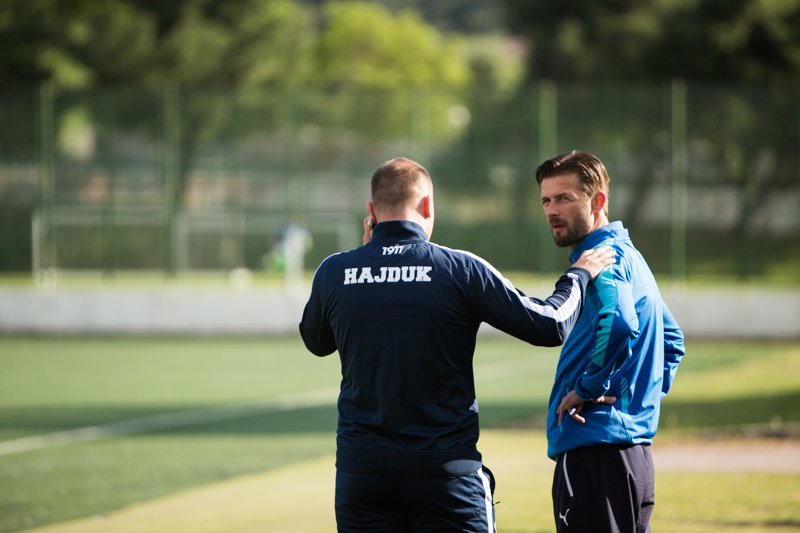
(596, 259)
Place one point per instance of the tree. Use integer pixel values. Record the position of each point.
(363, 45)
(602, 40)
(265, 48)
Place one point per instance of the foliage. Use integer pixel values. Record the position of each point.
(461, 16)
(741, 40)
(365, 46)
(265, 43)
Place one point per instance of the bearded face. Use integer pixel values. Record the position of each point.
(568, 209)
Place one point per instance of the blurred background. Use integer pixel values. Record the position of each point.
(187, 136)
(172, 173)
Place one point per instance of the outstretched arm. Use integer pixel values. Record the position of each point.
(540, 322)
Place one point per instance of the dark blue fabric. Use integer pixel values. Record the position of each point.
(378, 503)
(403, 314)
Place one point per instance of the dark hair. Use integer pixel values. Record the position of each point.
(590, 171)
(395, 183)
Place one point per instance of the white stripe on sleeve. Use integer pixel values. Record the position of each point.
(559, 314)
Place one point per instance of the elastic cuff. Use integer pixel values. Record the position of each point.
(584, 394)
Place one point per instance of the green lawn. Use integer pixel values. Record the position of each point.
(51, 385)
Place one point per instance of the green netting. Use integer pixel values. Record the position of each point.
(706, 177)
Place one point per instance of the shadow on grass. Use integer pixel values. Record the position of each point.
(16, 423)
(772, 409)
(34, 421)
(674, 415)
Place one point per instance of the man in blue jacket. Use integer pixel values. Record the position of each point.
(615, 367)
(403, 314)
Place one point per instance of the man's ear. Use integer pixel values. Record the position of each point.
(426, 206)
(599, 201)
(371, 211)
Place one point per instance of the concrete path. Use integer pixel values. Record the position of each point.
(751, 455)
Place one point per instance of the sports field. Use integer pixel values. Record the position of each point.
(216, 435)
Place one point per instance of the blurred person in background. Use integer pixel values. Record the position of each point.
(403, 314)
(615, 367)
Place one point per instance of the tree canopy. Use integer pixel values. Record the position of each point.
(720, 40)
(264, 43)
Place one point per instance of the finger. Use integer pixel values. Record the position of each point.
(559, 419)
(608, 400)
(562, 407)
(579, 418)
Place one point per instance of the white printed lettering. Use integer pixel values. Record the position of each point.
(394, 274)
(366, 275)
(382, 277)
(397, 249)
(408, 273)
(388, 274)
(350, 275)
(422, 273)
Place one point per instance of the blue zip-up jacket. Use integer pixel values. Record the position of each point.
(403, 314)
(625, 344)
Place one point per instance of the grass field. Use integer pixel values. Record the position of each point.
(269, 459)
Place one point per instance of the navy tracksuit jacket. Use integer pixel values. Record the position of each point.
(403, 314)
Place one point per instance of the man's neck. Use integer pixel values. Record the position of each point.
(598, 223)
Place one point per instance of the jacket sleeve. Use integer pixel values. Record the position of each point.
(538, 322)
(617, 328)
(674, 349)
(315, 329)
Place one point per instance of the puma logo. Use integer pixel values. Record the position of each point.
(564, 517)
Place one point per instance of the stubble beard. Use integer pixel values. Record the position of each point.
(575, 232)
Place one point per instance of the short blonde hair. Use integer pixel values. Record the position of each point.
(395, 184)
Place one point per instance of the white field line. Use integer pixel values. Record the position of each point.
(224, 413)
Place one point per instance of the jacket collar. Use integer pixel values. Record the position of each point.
(398, 230)
(614, 230)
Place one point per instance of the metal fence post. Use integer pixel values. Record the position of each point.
(420, 118)
(172, 162)
(109, 120)
(47, 168)
(548, 136)
(678, 171)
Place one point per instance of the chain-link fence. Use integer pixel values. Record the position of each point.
(707, 178)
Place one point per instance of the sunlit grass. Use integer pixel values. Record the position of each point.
(54, 384)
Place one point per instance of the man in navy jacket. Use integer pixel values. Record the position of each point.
(403, 314)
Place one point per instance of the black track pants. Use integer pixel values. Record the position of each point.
(376, 503)
(604, 488)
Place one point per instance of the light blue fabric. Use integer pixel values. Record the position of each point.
(626, 344)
